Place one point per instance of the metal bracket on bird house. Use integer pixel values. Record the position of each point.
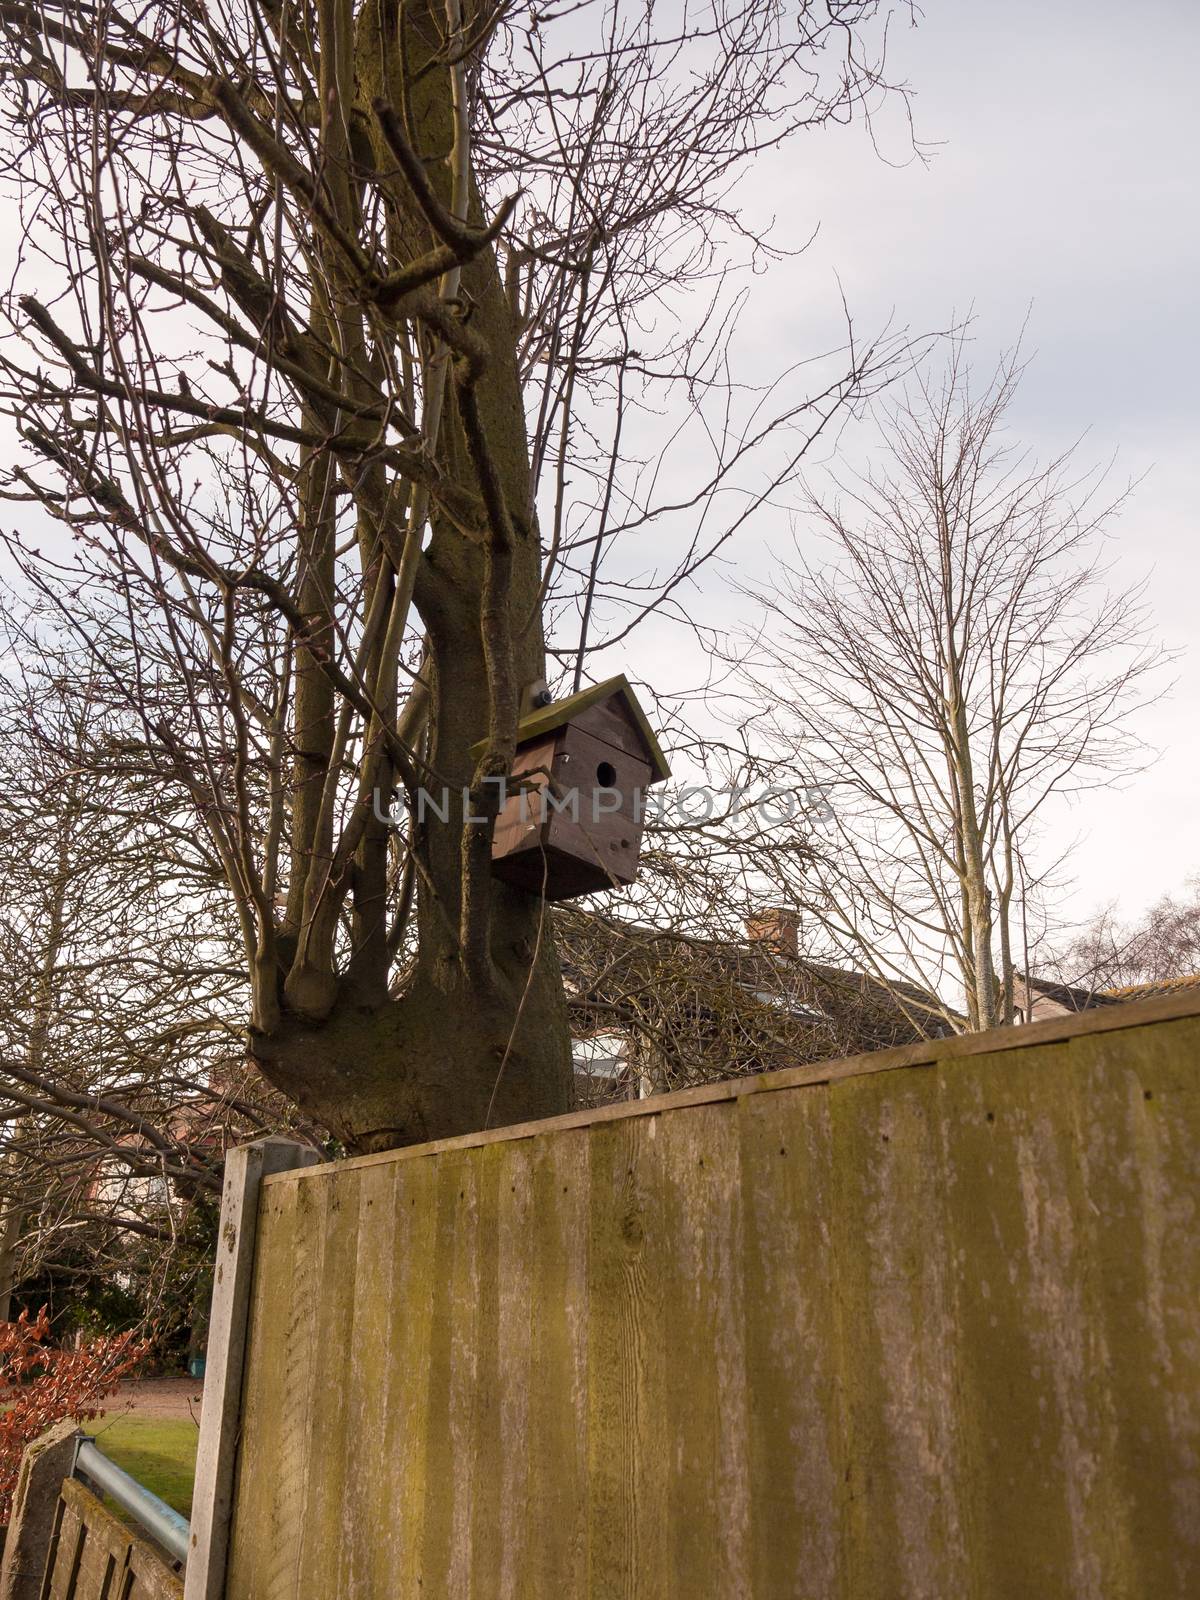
(534, 696)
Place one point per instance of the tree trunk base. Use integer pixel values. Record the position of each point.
(435, 1063)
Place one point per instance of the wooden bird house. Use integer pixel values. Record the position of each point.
(572, 820)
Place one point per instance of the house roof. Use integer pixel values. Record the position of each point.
(873, 1013)
(1078, 997)
(547, 719)
(1143, 991)
(1072, 997)
(895, 1004)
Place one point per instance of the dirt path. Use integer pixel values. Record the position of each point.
(169, 1399)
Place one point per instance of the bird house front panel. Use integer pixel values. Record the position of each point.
(601, 825)
(571, 823)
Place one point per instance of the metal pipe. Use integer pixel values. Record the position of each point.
(171, 1530)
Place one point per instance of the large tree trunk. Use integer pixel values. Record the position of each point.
(454, 1052)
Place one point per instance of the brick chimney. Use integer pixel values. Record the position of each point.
(777, 929)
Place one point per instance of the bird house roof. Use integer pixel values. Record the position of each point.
(548, 719)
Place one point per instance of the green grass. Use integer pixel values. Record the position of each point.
(160, 1454)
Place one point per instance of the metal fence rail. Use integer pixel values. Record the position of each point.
(153, 1515)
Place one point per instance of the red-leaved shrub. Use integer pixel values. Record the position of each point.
(40, 1385)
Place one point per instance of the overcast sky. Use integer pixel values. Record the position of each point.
(1063, 185)
(1063, 139)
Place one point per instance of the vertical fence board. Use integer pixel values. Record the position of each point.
(515, 1377)
(449, 1475)
(480, 1538)
(706, 1406)
(903, 1515)
(631, 1342)
(1040, 1382)
(1104, 1557)
(1008, 1381)
(795, 1456)
(265, 1498)
(1140, 1110)
(68, 1555)
(416, 1272)
(363, 1566)
(556, 1520)
(95, 1570)
(331, 1222)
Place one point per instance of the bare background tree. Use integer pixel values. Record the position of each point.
(333, 322)
(1109, 952)
(122, 1065)
(960, 661)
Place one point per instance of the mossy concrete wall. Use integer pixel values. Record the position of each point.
(922, 1324)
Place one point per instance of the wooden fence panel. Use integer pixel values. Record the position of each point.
(95, 1556)
(926, 1324)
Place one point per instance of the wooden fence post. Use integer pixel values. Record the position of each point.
(212, 1503)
